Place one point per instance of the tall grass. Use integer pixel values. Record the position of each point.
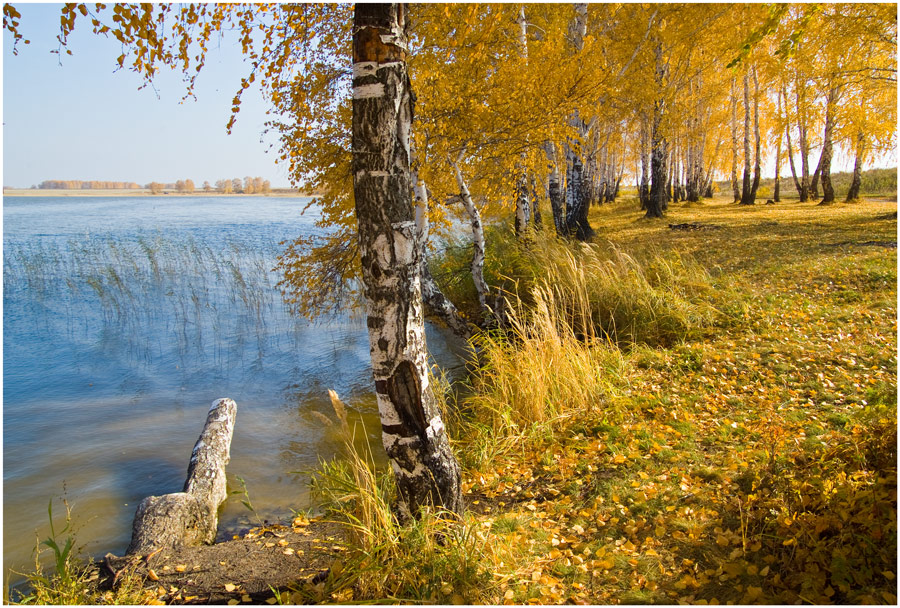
(599, 291)
(610, 294)
(436, 559)
(575, 312)
(533, 381)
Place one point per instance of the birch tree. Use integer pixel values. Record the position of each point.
(413, 433)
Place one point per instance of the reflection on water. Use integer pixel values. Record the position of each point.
(123, 320)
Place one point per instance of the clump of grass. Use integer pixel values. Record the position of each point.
(601, 291)
(608, 293)
(534, 379)
(70, 581)
(436, 559)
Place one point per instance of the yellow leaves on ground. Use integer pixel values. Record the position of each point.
(754, 466)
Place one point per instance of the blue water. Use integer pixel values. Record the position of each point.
(123, 319)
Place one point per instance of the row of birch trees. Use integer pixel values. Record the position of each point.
(405, 118)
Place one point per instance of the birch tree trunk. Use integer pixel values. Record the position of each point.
(477, 265)
(412, 430)
(734, 142)
(853, 193)
(787, 136)
(554, 190)
(522, 205)
(803, 143)
(577, 203)
(827, 146)
(523, 212)
(658, 146)
(776, 195)
(756, 159)
(536, 216)
(432, 295)
(645, 163)
(814, 184)
(745, 189)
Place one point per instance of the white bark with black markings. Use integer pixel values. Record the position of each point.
(481, 287)
(412, 430)
(432, 295)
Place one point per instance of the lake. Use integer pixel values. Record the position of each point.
(123, 319)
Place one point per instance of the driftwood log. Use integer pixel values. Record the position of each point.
(190, 517)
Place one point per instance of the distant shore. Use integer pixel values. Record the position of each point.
(119, 192)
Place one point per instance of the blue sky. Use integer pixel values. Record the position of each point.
(83, 120)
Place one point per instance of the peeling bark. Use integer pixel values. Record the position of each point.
(413, 433)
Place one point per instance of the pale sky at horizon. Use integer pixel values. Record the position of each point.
(83, 121)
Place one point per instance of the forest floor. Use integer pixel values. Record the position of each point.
(755, 463)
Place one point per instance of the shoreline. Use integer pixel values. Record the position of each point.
(143, 192)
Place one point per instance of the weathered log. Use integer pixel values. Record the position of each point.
(190, 517)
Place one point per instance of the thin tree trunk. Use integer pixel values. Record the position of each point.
(645, 163)
(522, 206)
(577, 203)
(734, 142)
(432, 295)
(538, 220)
(746, 186)
(672, 184)
(787, 135)
(814, 184)
(481, 288)
(523, 213)
(804, 145)
(413, 433)
(554, 190)
(853, 193)
(827, 146)
(756, 159)
(659, 147)
(776, 197)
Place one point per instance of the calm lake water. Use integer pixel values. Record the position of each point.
(123, 319)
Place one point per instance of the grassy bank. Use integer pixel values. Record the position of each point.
(676, 416)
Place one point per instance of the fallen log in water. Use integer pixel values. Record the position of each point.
(190, 517)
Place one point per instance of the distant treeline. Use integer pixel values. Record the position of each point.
(872, 182)
(248, 185)
(74, 184)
